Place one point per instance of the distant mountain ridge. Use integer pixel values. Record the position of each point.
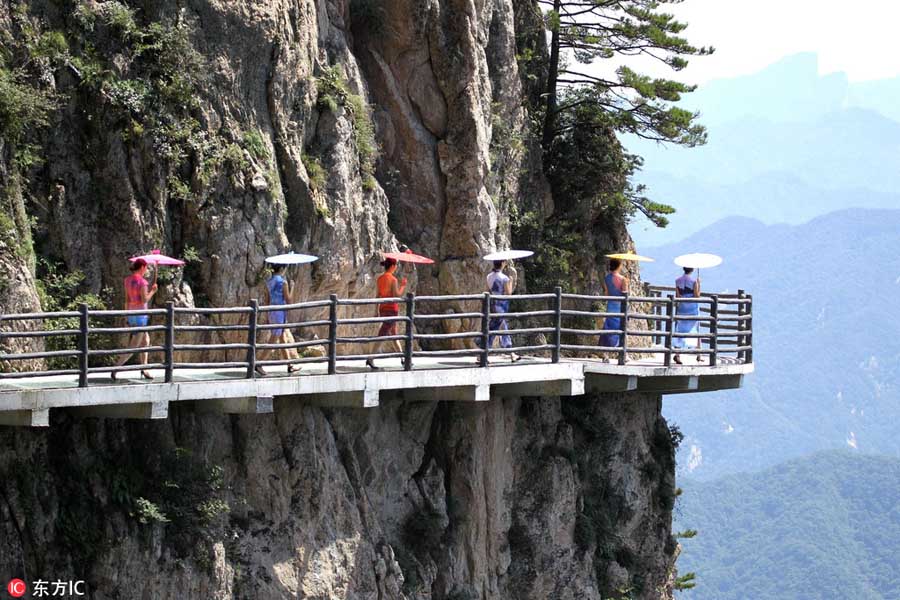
(783, 136)
(772, 197)
(790, 90)
(824, 527)
(826, 337)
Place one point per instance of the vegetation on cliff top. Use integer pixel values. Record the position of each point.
(577, 99)
(577, 115)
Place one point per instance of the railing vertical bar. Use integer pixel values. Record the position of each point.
(332, 334)
(485, 329)
(714, 331)
(623, 353)
(251, 338)
(557, 324)
(83, 326)
(670, 312)
(657, 311)
(410, 331)
(170, 341)
(742, 339)
(749, 326)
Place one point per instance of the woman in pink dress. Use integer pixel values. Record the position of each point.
(137, 294)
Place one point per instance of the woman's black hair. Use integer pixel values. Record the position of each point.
(388, 262)
(614, 264)
(276, 268)
(137, 265)
(498, 264)
(688, 270)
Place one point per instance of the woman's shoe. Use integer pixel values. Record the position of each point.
(514, 357)
(112, 375)
(292, 368)
(146, 375)
(260, 371)
(677, 359)
(371, 364)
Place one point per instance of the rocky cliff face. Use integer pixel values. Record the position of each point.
(516, 498)
(233, 129)
(270, 146)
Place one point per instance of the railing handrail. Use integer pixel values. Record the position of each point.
(555, 329)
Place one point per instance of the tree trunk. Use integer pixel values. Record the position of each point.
(552, 76)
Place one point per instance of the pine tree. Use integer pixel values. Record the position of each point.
(587, 30)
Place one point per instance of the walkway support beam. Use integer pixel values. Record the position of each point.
(138, 410)
(26, 418)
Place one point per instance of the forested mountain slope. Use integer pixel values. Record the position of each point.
(826, 337)
(824, 527)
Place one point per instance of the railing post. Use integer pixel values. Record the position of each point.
(332, 334)
(742, 325)
(657, 311)
(623, 353)
(748, 355)
(670, 312)
(713, 331)
(557, 324)
(170, 341)
(410, 331)
(251, 338)
(83, 324)
(485, 329)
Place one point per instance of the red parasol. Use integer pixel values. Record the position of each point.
(158, 259)
(409, 257)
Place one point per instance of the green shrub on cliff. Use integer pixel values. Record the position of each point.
(136, 77)
(334, 92)
(20, 107)
(61, 290)
(24, 107)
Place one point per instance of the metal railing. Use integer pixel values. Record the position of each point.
(557, 326)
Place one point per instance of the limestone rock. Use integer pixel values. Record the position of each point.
(529, 498)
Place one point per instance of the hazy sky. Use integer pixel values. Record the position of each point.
(860, 38)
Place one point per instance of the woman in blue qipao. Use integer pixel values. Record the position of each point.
(614, 284)
(500, 284)
(687, 287)
(279, 291)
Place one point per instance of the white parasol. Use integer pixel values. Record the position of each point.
(291, 258)
(698, 261)
(509, 255)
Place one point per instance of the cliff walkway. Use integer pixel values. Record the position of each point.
(65, 360)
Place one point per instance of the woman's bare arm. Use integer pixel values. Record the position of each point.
(147, 292)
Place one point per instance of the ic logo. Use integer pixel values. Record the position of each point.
(16, 588)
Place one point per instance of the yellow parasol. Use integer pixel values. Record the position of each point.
(630, 256)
